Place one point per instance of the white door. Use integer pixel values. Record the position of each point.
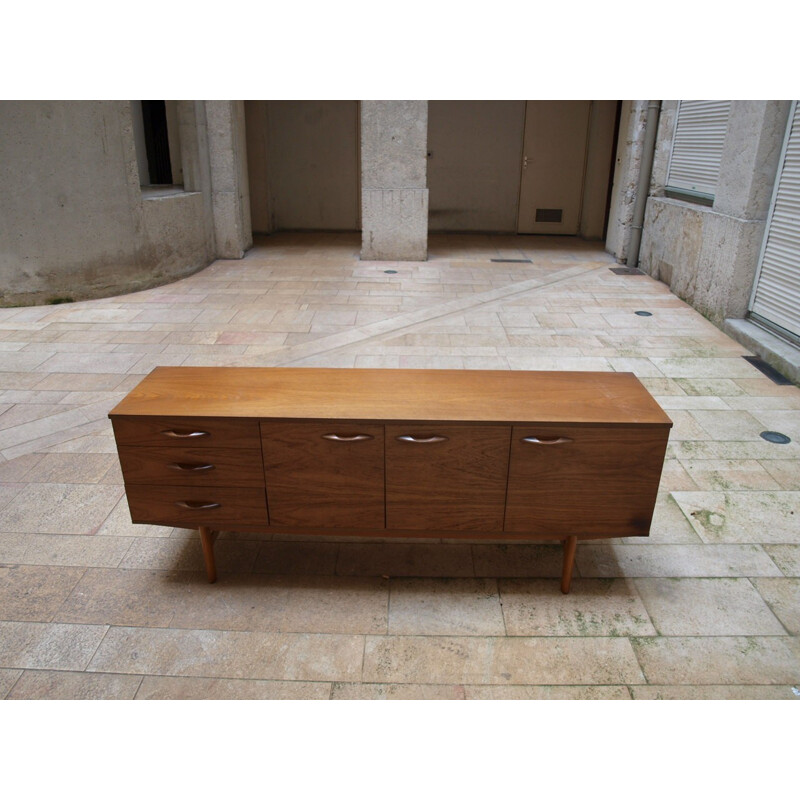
(776, 295)
(553, 166)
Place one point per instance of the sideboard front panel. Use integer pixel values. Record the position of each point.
(446, 477)
(599, 481)
(324, 475)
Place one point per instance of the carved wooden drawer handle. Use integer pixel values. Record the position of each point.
(194, 505)
(189, 435)
(335, 437)
(191, 467)
(553, 440)
(422, 439)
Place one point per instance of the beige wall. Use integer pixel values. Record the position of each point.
(475, 149)
(303, 164)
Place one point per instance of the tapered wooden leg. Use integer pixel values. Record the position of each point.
(570, 546)
(207, 537)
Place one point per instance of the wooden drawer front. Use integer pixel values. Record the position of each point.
(593, 481)
(446, 477)
(192, 466)
(186, 431)
(193, 506)
(324, 475)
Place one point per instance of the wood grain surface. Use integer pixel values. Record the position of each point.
(448, 477)
(600, 481)
(320, 482)
(479, 396)
(192, 466)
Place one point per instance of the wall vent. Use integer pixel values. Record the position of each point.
(549, 214)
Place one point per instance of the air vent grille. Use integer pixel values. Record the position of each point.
(549, 214)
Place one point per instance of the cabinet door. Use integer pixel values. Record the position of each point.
(447, 478)
(592, 481)
(324, 475)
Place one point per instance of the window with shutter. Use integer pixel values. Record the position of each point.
(697, 149)
(776, 296)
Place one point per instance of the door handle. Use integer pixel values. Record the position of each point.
(552, 440)
(188, 435)
(335, 437)
(194, 505)
(191, 467)
(422, 439)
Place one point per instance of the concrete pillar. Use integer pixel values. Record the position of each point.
(394, 193)
(227, 154)
(626, 177)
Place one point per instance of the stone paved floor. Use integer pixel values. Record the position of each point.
(92, 606)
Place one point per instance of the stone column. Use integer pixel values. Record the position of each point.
(227, 154)
(394, 193)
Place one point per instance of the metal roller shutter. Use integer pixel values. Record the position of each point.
(697, 146)
(776, 296)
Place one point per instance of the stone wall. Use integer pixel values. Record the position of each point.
(708, 255)
(75, 222)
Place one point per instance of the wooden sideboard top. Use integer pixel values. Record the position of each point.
(591, 398)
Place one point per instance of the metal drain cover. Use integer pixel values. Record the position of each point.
(775, 437)
(643, 313)
(626, 271)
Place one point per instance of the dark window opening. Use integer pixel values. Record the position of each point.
(154, 118)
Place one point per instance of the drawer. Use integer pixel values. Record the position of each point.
(192, 466)
(193, 506)
(446, 477)
(566, 480)
(140, 431)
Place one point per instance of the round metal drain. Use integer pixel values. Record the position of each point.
(390, 271)
(775, 437)
(643, 313)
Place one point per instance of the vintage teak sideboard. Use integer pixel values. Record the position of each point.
(513, 455)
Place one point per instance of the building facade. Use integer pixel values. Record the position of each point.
(106, 197)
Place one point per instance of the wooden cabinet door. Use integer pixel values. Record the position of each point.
(446, 477)
(571, 480)
(324, 475)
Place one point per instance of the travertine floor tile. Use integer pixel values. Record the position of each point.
(445, 606)
(40, 645)
(697, 660)
(405, 560)
(479, 660)
(62, 550)
(231, 557)
(713, 693)
(158, 688)
(707, 607)
(52, 685)
(768, 517)
(600, 607)
(684, 561)
(518, 560)
(396, 691)
(59, 508)
(8, 677)
(33, 593)
(230, 654)
(786, 556)
(293, 604)
(547, 693)
(297, 558)
(783, 597)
